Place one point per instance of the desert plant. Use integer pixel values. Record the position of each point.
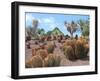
(35, 61)
(71, 27)
(69, 43)
(42, 52)
(84, 24)
(76, 49)
(33, 52)
(52, 60)
(50, 47)
(69, 53)
(81, 48)
(86, 49)
(28, 64)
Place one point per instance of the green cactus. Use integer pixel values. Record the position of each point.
(28, 64)
(81, 48)
(69, 53)
(52, 60)
(42, 52)
(70, 43)
(86, 49)
(35, 61)
(76, 49)
(50, 47)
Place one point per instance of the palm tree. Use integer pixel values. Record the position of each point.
(71, 27)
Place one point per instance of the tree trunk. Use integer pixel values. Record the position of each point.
(71, 35)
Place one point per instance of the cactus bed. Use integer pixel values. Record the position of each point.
(59, 52)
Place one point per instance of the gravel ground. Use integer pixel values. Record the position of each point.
(64, 60)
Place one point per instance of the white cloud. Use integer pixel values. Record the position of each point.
(30, 17)
(48, 20)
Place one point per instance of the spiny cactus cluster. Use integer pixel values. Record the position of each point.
(35, 61)
(69, 52)
(42, 53)
(76, 49)
(50, 47)
(52, 60)
(43, 58)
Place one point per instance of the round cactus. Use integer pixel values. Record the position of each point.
(86, 49)
(81, 48)
(52, 60)
(69, 53)
(36, 61)
(83, 40)
(28, 64)
(42, 52)
(69, 43)
(50, 47)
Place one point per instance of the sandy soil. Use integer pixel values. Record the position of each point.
(64, 60)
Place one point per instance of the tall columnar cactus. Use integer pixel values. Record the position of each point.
(35, 61)
(52, 60)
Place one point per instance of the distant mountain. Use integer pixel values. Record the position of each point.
(56, 31)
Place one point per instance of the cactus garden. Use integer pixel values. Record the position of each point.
(53, 40)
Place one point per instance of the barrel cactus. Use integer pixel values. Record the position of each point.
(42, 52)
(76, 49)
(52, 60)
(69, 53)
(50, 47)
(35, 61)
(86, 49)
(81, 48)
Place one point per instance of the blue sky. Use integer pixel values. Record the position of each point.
(49, 21)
